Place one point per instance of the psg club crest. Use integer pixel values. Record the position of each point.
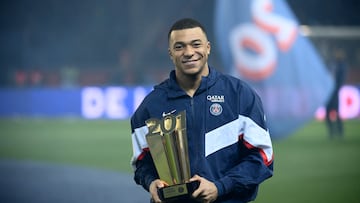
(216, 109)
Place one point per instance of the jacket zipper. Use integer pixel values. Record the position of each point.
(192, 108)
(194, 165)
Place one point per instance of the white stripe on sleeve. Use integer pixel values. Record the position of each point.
(222, 137)
(229, 133)
(138, 142)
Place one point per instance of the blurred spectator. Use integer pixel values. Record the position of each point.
(338, 69)
(36, 78)
(21, 78)
(69, 77)
(124, 73)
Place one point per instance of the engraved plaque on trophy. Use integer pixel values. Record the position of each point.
(167, 141)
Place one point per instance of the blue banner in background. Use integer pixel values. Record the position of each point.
(113, 102)
(87, 102)
(260, 43)
(40, 102)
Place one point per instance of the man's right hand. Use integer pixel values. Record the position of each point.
(153, 189)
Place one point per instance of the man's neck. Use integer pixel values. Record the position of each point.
(190, 83)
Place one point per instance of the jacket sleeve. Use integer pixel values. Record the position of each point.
(142, 163)
(255, 147)
(246, 176)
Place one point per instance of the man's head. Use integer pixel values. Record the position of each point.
(189, 47)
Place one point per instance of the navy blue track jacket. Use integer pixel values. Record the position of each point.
(229, 143)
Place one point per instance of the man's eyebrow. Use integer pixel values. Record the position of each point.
(192, 41)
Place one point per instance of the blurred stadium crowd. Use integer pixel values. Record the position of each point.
(50, 43)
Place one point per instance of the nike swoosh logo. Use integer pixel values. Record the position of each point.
(166, 114)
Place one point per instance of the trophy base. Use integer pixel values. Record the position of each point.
(178, 192)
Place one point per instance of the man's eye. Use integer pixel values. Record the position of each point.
(196, 45)
(178, 46)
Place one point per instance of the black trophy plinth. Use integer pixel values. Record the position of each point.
(178, 192)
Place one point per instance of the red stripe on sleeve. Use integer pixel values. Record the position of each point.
(142, 155)
(261, 151)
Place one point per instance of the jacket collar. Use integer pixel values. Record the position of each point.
(173, 89)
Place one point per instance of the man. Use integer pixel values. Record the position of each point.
(230, 148)
(338, 69)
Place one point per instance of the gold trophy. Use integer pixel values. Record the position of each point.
(167, 141)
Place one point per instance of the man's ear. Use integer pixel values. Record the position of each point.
(209, 47)
(170, 54)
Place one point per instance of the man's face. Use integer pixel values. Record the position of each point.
(189, 50)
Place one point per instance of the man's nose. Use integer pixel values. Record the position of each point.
(189, 51)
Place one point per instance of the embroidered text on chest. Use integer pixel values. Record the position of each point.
(216, 98)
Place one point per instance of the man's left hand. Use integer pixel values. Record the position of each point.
(207, 191)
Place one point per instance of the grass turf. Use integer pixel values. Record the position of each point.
(309, 167)
(96, 143)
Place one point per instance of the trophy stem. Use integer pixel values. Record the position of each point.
(183, 155)
(172, 158)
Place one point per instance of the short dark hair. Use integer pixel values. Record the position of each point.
(186, 23)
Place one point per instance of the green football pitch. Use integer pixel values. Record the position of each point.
(309, 167)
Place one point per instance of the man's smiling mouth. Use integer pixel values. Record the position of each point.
(190, 61)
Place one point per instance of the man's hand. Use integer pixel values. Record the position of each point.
(207, 191)
(153, 189)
